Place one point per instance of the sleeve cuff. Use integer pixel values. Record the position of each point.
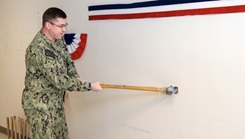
(89, 87)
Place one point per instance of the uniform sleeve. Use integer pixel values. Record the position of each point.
(71, 69)
(57, 74)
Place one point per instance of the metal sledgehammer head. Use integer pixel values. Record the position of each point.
(172, 90)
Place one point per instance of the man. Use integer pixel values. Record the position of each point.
(49, 73)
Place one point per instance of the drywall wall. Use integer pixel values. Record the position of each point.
(203, 55)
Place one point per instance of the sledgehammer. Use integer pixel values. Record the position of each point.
(168, 90)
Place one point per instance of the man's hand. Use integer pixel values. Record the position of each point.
(96, 87)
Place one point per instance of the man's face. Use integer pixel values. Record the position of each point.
(58, 28)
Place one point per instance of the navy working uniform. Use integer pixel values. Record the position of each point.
(49, 73)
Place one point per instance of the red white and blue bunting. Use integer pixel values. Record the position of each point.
(75, 44)
(163, 8)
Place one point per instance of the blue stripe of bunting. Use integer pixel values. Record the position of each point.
(69, 38)
(143, 4)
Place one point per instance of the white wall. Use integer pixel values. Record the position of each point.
(203, 55)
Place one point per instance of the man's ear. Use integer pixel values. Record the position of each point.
(48, 25)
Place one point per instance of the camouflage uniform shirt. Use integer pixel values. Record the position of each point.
(49, 73)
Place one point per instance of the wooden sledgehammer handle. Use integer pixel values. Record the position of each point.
(169, 90)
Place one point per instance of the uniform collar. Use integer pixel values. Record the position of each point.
(56, 45)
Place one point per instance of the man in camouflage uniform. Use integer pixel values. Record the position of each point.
(49, 73)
